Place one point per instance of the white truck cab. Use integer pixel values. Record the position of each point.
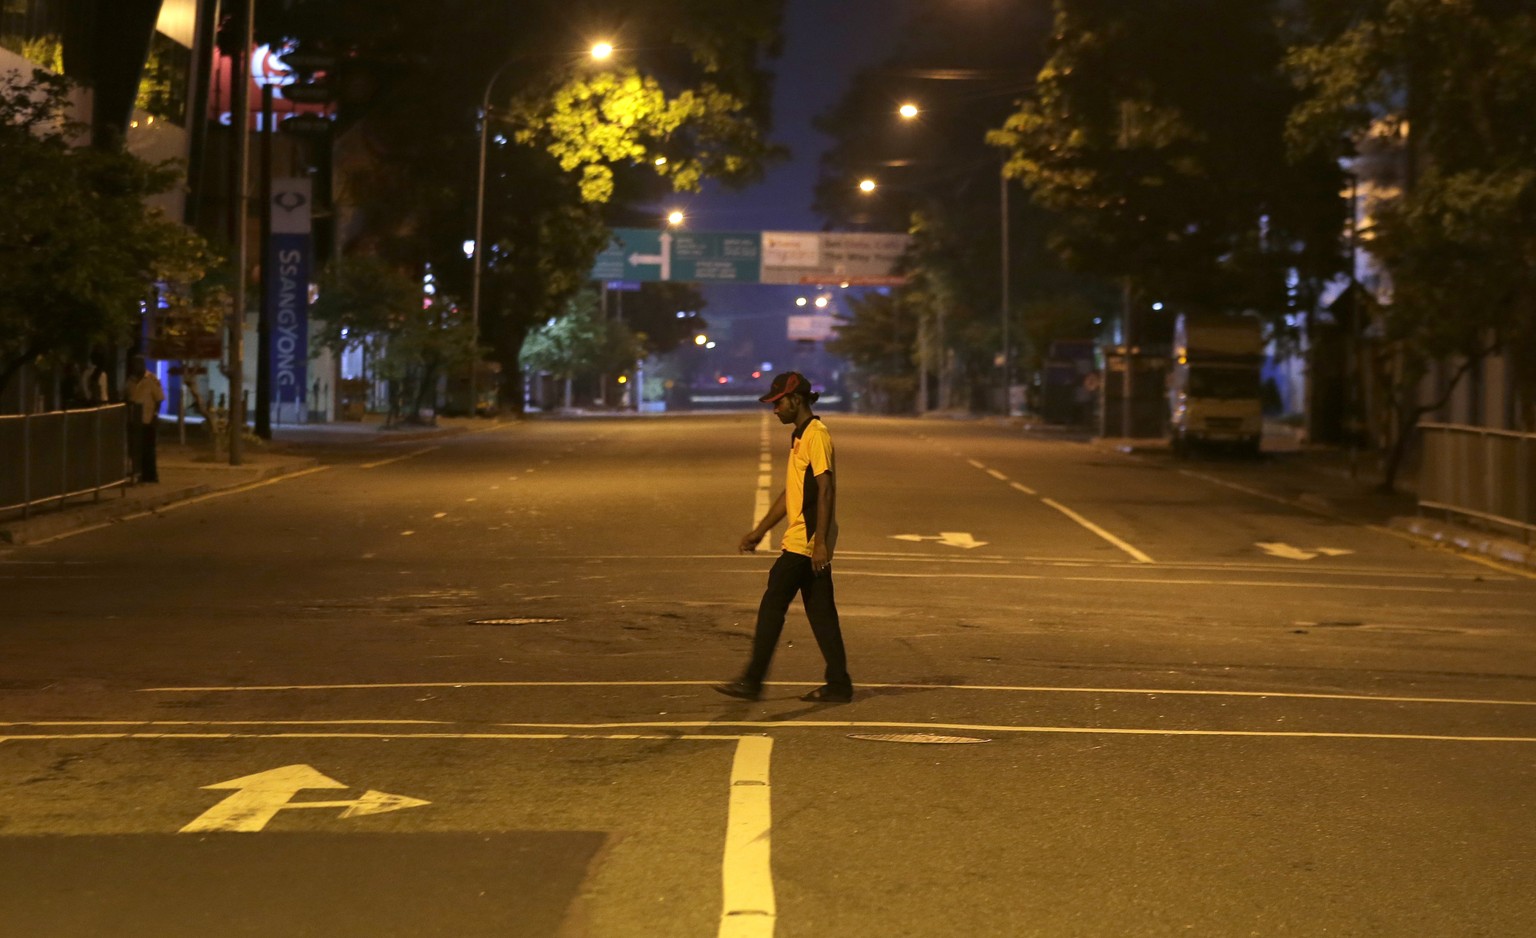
(1214, 383)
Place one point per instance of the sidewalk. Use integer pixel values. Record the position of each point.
(189, 470)
(1334, 481)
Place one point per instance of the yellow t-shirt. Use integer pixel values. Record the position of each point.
(810, 455)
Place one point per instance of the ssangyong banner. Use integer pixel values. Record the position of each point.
(288, 287)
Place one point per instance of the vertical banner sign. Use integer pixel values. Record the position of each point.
(288, 288)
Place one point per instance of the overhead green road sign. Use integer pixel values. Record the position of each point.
(855, 258)
(633, 254)
(717, 257)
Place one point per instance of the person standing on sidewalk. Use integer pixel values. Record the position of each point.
(145, 396)
(809, 501)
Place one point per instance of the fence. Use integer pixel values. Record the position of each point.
(1487, 475)
(60, 455)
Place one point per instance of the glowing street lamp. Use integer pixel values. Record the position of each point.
(601, 50)
(675, 218)
(908, 111)
(867, 185)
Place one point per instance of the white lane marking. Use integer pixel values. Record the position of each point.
(257, 799)
(777, 724)
(1136, 554)
(761, 498)
(990, 728)
(1023, 488)
(385, 462)
(976, 464)
(962, 539)
(746, 874)
(182, 504)
(1159, 581)
(1014, 688)
(997, 475)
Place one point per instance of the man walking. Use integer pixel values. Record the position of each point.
(809, 501)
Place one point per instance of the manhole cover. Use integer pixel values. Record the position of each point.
(515, 620)
(929, 738)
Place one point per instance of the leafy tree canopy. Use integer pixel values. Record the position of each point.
(80, 252)
(573, 143)
(1437, 97)
(1156, 134)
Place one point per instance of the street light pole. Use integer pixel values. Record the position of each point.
(599, 51)
(1007, 352)
(477, 259)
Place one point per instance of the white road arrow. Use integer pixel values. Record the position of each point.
(259, 797)
(664, 258)
(1277, 549)
(960, 539)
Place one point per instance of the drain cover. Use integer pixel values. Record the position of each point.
(917, 738)
(523, 620)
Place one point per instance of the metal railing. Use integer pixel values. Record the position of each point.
(56, 456)
(1483, 474)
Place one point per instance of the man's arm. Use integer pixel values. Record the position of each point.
(775, 514)
(826, 494)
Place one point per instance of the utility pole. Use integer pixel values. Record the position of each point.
(242, 122)
(1007, 357)
(264, 311)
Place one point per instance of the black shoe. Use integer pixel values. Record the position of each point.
(742, 689)
(826, 693)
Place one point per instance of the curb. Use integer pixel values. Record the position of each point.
(22, 531)
(1468, 541)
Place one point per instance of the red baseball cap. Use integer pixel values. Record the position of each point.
(787, 383)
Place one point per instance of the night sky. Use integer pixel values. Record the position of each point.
(825, 43)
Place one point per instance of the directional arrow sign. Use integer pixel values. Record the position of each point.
(961, 539)
(663, 258)
(259, 797)
(1277, 549)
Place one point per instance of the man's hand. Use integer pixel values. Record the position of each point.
(749, 542)
(821, 558)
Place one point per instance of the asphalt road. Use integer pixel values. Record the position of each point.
(461, 688)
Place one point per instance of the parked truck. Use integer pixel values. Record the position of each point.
(1214, 384)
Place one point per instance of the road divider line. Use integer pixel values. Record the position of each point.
(394, 459)
(1011, 688)
(746, 874)
(1136, 554)
(657, 727)
(1157, 581)
(997, 475)
(1023, 488)
(761, 497)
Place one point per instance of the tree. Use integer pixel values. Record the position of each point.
(656, 315)
(581, 342)
(1155, 134)
(879, 341)
(1451, 86)
(938, 177)
(571, 147)
(407, 338)
(80, 251)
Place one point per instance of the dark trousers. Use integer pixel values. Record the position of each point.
(148, 471)
(792, 574)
